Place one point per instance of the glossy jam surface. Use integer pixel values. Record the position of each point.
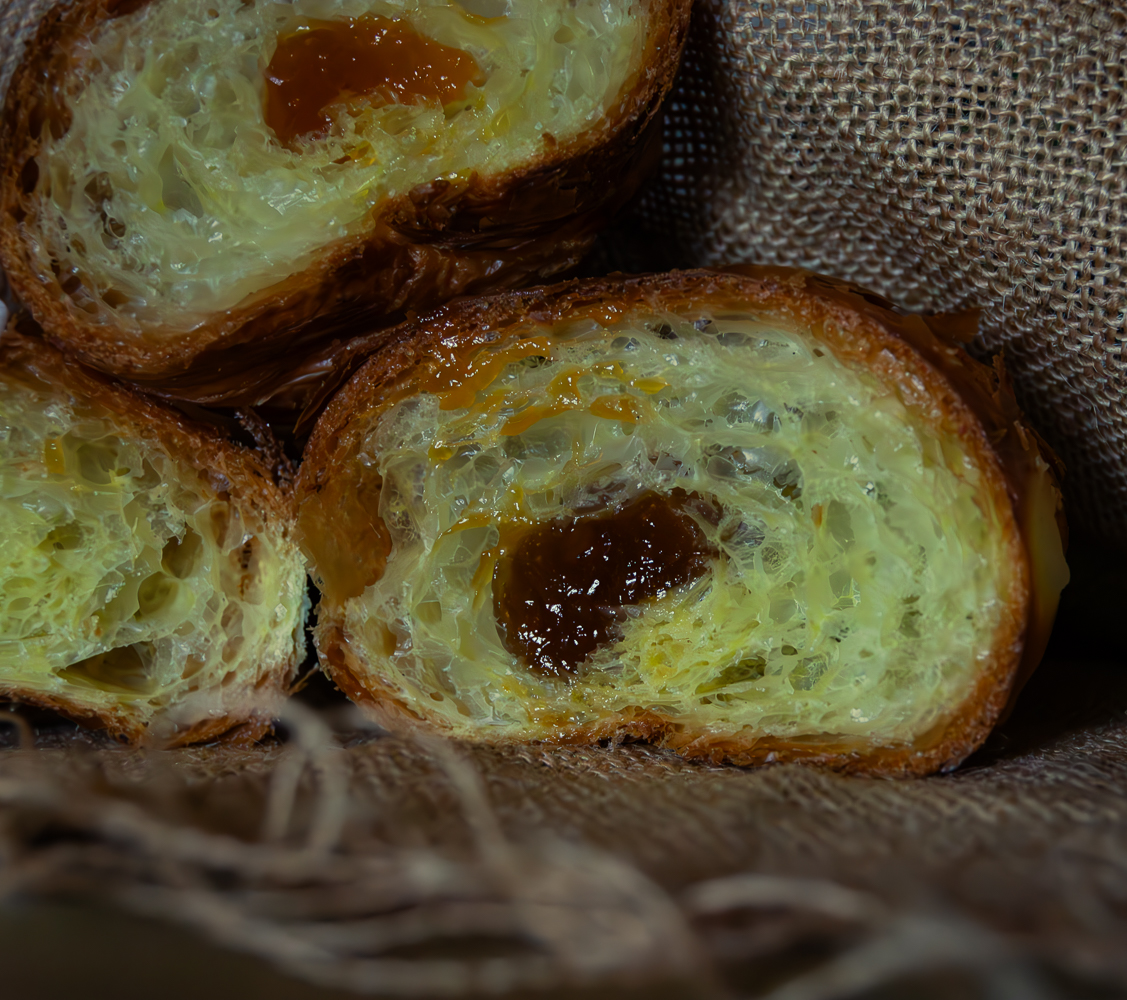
(383, 61)
(558, 594)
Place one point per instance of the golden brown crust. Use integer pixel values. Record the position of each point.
(127, 728)
(228, 469)
(952, 393)
(439, 240)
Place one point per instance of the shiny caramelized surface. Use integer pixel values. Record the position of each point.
(322, 63)
(350, 548)
(859, 565)
(559, 591)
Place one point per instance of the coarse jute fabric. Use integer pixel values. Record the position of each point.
(368, 864)
(949, 154)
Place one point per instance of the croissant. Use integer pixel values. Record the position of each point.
(194, 192)
(751, 515)
(151, 582)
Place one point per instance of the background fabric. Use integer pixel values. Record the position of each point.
(949, 154)
(361, 864)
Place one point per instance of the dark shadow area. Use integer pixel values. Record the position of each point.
(625, 246)
(318, 691)
(314, 688)
(66, 951)
(49, 728)
(1062, 697)
(1082, 681)
(55, 951)
(1091, 623)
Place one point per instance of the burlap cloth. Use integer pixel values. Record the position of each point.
(950, 155)
(947, 153)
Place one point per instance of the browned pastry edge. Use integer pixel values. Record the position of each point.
(228, 469)
(439, 240)
(124, 726)
(935, 379)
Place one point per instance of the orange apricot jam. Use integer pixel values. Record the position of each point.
(322, 63)
(559, 591)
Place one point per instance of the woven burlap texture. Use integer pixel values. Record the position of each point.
(600, 868)
(947, 154)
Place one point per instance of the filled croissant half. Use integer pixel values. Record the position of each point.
(752, 515)
(191, 191)
(151, 584)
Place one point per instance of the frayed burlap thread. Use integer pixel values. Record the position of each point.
(947, 154)
(18, 21)
(605, 870)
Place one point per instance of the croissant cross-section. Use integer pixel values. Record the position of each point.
(749, 516)
(151, 583)
(191, 188)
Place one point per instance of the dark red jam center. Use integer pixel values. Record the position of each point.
(384, 61)
(558, 592)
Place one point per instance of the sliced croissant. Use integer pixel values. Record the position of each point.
(151, 584)
(193, 192)
(751, 516)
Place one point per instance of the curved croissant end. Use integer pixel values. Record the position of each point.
(151, 583)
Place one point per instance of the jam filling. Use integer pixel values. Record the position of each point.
(384, 61)
(558, 593)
